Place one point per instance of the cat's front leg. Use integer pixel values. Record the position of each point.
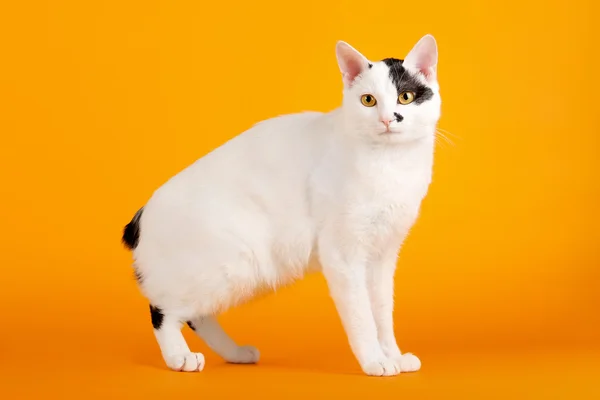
(380, 279)
(345, 272)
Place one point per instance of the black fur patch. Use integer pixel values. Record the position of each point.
(157, 317)
(192, 327)
(138, 276)
(404, 81)
(399, 117)
(131, 232)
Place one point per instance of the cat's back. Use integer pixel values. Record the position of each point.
(277, 143)
(266, 160)
(270, 138)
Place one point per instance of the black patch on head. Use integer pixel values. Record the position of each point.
(399, 117)
(192, 327)
(131, 232)
(156, 316)
(404, 81)
(370, 65)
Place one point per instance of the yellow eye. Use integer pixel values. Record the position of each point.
(368, 100)
(406, 97)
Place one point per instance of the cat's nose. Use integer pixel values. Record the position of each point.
(387, 122)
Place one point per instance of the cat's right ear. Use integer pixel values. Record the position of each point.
(350, 61)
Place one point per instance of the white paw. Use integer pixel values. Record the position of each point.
(410, 363)
(382, 367)
(188, 362)
(245, 355)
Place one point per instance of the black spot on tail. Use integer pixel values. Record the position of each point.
(157, 317)
(138, 276)
(131, 232)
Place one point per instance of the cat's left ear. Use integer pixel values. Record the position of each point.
(424, 57)
(350, 61)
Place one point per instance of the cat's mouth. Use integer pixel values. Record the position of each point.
(388, 132)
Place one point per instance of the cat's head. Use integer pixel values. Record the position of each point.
(391, 100)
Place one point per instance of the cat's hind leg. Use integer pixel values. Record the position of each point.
(174, 349)
(209, 330)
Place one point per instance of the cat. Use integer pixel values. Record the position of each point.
(335, 192)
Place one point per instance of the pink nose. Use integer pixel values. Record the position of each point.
(387, 122)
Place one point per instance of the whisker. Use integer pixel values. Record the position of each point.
(447, 139)
(440, 142)
(449, 133)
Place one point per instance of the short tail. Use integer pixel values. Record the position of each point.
(131, 232)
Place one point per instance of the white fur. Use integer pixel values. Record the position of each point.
(304, 192)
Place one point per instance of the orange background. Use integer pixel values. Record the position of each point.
(102, 101)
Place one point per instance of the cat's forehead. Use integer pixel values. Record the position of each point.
(375, 80)
(390, 75)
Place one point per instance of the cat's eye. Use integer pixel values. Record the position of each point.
(406, 97)
(368, 100)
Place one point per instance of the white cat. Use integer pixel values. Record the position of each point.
(335, 192)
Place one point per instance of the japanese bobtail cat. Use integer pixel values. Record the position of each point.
(335, 192)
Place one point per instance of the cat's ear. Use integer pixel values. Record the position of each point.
(350, 61)
(424, 57)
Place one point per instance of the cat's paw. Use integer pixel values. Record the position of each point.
(188, 362)
(382, 367)
(409, 363)
(245, 355)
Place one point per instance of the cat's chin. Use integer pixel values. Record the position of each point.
(397, 137)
